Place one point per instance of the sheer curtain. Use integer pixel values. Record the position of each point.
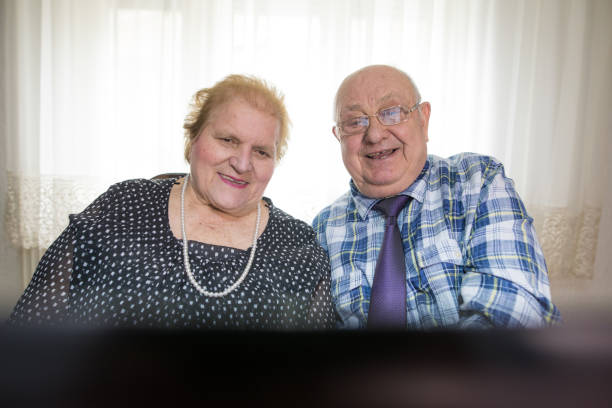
(94, 92)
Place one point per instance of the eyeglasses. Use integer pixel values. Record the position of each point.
(387, 117)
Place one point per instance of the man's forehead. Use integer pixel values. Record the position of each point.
(353, 104)
(373, 86)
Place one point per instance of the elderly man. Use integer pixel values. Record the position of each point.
(419, 241)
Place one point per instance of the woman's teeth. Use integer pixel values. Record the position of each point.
(232, 180)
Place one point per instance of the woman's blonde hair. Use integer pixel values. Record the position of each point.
(254, 91)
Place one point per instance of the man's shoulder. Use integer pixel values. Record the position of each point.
(465, 163)
(336, 211)
(462, 167)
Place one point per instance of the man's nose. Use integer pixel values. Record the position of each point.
(375, 131)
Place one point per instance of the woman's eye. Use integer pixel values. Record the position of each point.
(227, 140)
(263, 153)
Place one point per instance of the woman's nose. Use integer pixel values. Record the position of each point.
(241, 161)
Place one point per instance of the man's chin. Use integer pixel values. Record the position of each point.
(379, 190)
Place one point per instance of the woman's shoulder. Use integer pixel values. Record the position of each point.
(126, 197)
(290, 225)
(293, 242)
(139, 188)
(142, 185)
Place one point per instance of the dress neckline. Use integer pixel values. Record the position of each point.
(179, 242)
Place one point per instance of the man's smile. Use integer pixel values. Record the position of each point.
(381, 154)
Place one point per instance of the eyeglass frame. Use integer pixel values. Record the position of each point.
(408, 112)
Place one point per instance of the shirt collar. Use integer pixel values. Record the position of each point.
(416, 190)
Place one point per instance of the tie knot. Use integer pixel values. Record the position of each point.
(392, 206)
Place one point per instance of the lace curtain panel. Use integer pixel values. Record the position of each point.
(38, 208)
(95, 92)
(569, 241)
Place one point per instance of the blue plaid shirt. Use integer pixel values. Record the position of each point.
(472, 256)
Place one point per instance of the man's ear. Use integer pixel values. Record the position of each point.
(335, 132)
(425, 111)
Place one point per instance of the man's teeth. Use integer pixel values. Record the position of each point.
(381, 154)
(233, 180)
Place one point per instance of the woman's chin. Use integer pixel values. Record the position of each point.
(235, 207)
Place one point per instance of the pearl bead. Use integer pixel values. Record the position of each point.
(186, 251)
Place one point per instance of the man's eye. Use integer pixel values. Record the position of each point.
(355, 122)
(263, 153)
(390, 114)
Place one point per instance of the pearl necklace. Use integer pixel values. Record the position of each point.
(186, 252)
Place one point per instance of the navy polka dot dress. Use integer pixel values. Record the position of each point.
(118, 264)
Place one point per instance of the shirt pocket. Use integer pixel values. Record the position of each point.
(350, 296)
(438, 282)
(344, 283)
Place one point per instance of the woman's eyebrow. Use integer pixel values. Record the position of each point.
(267, 148)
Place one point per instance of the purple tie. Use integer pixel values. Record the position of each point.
(388, 294)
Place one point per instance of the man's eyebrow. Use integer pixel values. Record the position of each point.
(387, 97)
(353, 107)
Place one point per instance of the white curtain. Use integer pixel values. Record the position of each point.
(94, 92)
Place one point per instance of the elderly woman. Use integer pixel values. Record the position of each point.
(200, 250)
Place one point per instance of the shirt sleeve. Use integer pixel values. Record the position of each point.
(318, 224)
(506, 281)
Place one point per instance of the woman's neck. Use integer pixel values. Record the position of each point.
(205, 223)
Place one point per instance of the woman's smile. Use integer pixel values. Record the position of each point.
(233, 182)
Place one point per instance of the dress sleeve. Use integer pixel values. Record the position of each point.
(46, 300)
(506, 281)
(321, 311)
(323, 292)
